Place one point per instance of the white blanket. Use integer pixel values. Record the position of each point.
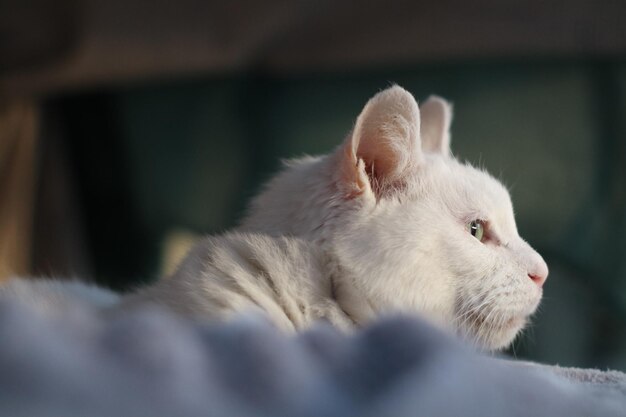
(151, 363)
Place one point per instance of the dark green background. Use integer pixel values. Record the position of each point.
(188, 153)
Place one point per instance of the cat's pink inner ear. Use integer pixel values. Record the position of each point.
(436, 117)
(386, 138)
(351, 174)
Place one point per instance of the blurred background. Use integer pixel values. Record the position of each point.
(129, 127)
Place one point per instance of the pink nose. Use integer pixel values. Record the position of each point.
(538, 271)
(538, 279)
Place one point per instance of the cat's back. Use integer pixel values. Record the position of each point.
(284, 278)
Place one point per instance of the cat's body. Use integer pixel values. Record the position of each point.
(386, 220)
(285, 278)
(389, 222)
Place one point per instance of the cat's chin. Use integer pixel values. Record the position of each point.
(503, 335)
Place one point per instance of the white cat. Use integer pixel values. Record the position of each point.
(388, 222)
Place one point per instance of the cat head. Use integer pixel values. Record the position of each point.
(408, 226)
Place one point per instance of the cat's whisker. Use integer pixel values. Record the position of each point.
(468, 315)
(474, 308)
(488, 323)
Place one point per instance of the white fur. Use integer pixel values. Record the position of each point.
(284, 278)
(379, 225)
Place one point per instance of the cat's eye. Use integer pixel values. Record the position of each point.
(477, 229)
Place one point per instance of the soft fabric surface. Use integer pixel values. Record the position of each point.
(151, 363)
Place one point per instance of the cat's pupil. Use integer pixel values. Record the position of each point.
(476, 229)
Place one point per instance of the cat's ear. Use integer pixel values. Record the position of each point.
(436, 115)
(384, 146)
